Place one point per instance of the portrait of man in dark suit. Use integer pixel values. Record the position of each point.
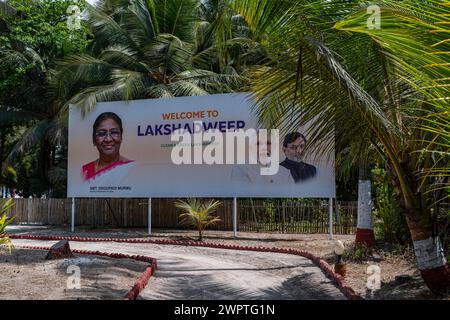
(294, 145)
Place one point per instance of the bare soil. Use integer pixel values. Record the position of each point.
(28, 276)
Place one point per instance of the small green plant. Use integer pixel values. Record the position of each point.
(198, 214)
(4, 222)
(270, 211)
(358, 252)
(390, 224)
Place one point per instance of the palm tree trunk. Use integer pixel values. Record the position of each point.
(430, 257)
(364, 229)
(200, 232)
(428, 249)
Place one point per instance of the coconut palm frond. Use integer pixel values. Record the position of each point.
(197, 213)
(132, 84)
(84, 68)
(414, 37)
(5, 205)
(177, 17)
(185, 88)
(107, 31)
(87, 98)
(123, 57)
(159, 91)
(31, 138)
(139, 20)
(169, 53)
(209, 79)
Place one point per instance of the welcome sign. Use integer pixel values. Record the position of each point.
(205, 146)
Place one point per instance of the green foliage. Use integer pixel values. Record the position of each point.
(366, 93)
(4, 222)
(144, 49)
(198, 213)
(443, 227)
(32, 130)
(390, 225)
(43, 27)
(177, 17)
(357, 252)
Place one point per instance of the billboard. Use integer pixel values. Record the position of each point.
(204, 146)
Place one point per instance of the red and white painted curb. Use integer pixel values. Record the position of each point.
(337, 279)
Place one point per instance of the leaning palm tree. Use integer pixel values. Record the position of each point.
(423, 145)
(141, 49)
(357, 83)
(197, 213)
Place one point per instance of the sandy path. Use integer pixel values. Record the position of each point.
(207, 273)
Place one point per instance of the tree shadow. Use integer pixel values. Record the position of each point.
(173, 282)
(101, 278)
(404, 287)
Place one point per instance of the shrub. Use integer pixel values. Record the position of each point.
(357, 252)
(389, 224)
(197, 213)
(4, 222)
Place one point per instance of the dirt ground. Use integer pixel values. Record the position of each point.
(215, 274)
(400, 278)
(28, 276)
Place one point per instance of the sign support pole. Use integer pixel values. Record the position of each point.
(72, 225)
(149, 212)
(235, 217)
(330, 216)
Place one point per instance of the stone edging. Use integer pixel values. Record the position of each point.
(337, 279)
(140, 283)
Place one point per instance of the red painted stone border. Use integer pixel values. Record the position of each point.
(337, 279)
(141, 282)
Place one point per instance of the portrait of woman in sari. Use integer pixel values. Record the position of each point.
(110, 167)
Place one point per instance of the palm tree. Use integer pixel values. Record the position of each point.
(39, 121)
(224, 42)
(28, 104)
(318, 50)
(142, 49)
(424, 143)
(197, 213)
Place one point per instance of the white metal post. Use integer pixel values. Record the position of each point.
(149, 211)
(72, 226)
(235, 217)
(330, 221)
